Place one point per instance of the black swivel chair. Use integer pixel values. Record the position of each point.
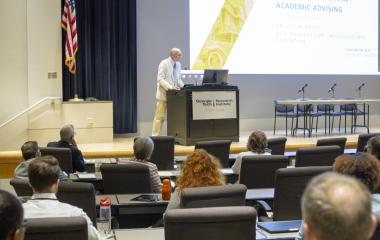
(317, 156)
(214, 196)
(258, 171)
(63, 155)
(277, 145)
(21, 187)
(222, 223)
(60, 228)
(126, 178)
(163, 152)
(218, 148)
(341, 142)
(362, 141)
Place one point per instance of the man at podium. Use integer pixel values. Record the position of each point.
(168, 77)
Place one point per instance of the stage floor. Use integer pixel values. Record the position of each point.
(122, 147)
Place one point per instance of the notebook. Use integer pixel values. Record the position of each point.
(146, 198)
(280, 226)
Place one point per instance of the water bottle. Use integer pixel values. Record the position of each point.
(105, 216)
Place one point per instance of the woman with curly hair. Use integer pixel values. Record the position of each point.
(257, 145)
(364, 167)
(199, 170)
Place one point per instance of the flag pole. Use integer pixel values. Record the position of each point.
(76, 98)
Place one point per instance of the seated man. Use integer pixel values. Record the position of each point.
(11, 217)
(68, 141)
(30, 151)
(43, 177)
(335, 206)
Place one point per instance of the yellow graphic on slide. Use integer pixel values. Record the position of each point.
(223, 35)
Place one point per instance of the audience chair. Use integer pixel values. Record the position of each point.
(215, 196)
(317, 156)
(258, 171)
(285, 111)
(376, 235)
(163, 152)
(362, 141)
(21, 187)
(79, 194)
(60, 228)
(218, 148)
(126, 178)
(277, 145)
(221, 223)
(63, 155)
(289, 186)
(341, 142)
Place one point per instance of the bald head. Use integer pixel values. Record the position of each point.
(335, 206)
(175, 54)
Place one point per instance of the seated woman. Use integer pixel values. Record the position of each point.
(257, 144)
(373, 146)
(199, 170)
(365, 168)
(142, 149)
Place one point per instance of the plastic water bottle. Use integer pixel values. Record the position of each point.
(166, 190)
(105, 215)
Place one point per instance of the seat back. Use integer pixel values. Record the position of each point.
(63, 155)
(362, 141)
(289, 186)
(258, 171)
(79, 194)
(130, 177)
(218, 148)
(376, 235)
(325, 107)
(283, 108)
(317, 156)
(348, 107)
(277, 145)
(215, 196)
(222, 223)
(21, 187)
(341, 142)
(61, 228)
(163, 152)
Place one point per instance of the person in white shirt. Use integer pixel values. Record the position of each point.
(257, 145)
(11, 217)
(168, 77)
(43, 175)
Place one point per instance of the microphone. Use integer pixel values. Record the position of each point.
(303, 88)
(360, 87)
(332, 88)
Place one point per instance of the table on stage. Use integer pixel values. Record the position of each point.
(332, 101)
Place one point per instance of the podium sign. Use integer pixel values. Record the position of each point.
(214, 105)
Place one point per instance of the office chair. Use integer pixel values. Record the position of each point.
(60, 228)
(341, 142)
(222, 223)
(362, 141)
(21, 187)
(214, 196)
(218, 148)
(277, 145)
(163, 152)
(258, 171)
(317, 156)
(63, 155)
(126, 178)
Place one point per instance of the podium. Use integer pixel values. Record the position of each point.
(202, 113)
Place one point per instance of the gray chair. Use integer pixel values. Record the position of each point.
(221, 223)
(362, 141)
(126, 178)
(289, 186)
(79, 194)
(215, 196)
(63, 155)
(61, 228)
(277, 145)
(258, 171)
(317, 156)
(341, 142)
(218, 148)
(163, 152)
(21, 187)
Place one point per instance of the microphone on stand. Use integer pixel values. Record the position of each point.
(332, 88)
(303, 88)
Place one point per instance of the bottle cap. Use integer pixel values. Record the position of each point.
(105, 201)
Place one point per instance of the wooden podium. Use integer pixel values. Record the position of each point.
(201, 113)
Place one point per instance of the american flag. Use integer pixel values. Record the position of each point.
(69, 23)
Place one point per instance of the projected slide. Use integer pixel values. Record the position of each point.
(285, 37)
